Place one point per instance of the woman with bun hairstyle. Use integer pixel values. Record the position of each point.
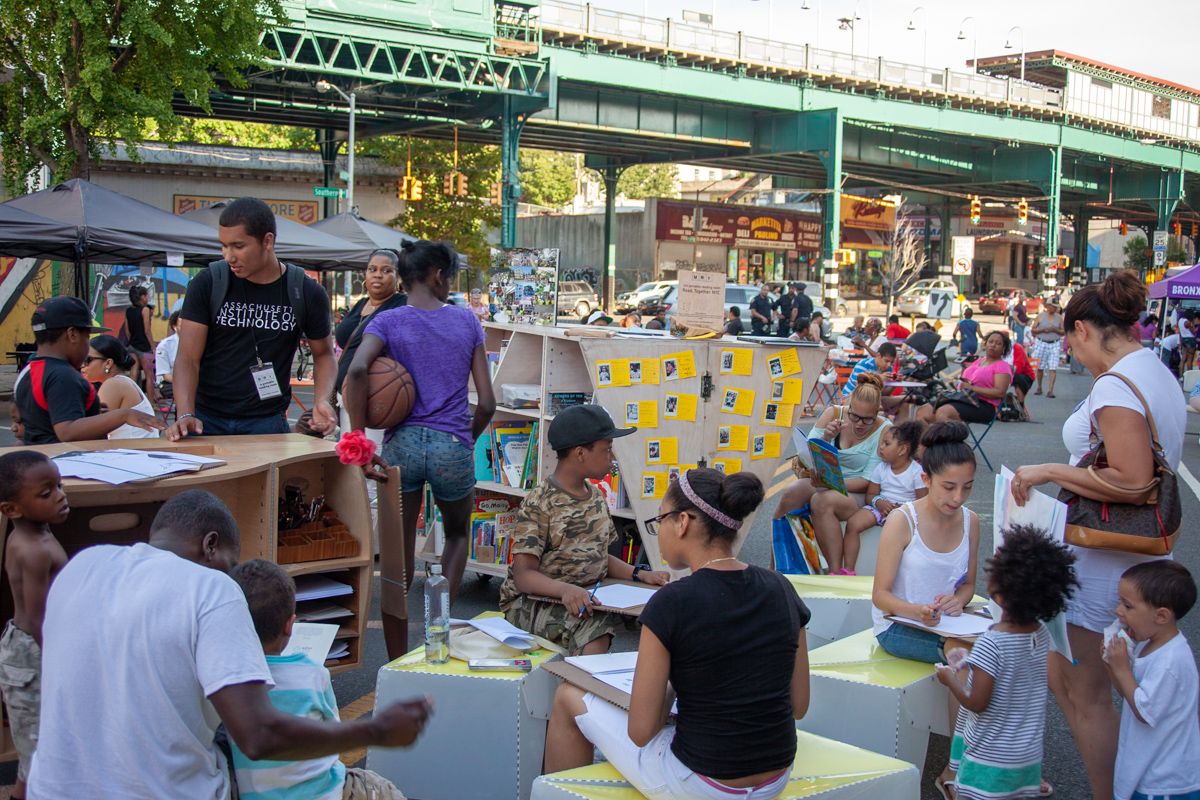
(854, 429)
(107, 365)
(441, 346)
(1099, 321)
(702, 636)
(988, 377)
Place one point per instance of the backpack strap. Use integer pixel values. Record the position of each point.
(220, 287)
(295, 293)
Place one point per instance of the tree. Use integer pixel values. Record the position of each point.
(92, 71)
(245, 134)
(649, 180)
(461, 220)
(1136, 250)
(547, 178)
(907, 257)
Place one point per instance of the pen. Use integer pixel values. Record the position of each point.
(591, 596)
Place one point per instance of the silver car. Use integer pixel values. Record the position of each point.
(576, 297)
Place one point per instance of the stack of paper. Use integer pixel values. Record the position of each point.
(339, 649)
(320, 586)
(501, 630)
(318, 611)
(123, 466)
(964, 625)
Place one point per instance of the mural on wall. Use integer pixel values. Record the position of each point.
(166, 284)
(24, 282)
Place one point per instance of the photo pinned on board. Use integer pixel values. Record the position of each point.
(653, 451)
(648, 487)
(760, 444)
(631, 413)
(672, 474)
(670, 369)
(770, 412)
(775, 365)
(730, 401)
(671, 405)
(603, 375)
(777, 390)
(724, 435)
(727, 362)
(635, 372)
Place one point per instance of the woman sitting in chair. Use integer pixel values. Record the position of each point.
(989, 379)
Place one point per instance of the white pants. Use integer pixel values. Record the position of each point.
(654, 770)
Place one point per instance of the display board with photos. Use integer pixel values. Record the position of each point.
(523, 285)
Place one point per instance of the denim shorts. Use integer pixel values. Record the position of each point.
(905, 641)
(434, 457)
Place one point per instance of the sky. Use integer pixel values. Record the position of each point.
(1153, 37)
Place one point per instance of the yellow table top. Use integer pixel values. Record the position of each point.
(859, 658)
(821, 764)
(832, 587)
(414, 661)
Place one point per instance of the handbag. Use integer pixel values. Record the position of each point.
(956, 396)
(794, 544)
(1149, 528)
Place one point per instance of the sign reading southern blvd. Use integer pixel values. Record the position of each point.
(328, 191)
(1160, 248)
(963, 254)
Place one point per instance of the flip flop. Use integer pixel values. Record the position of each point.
(1045, 789)
(945, 789)
(1049, 394)
(1039, 391)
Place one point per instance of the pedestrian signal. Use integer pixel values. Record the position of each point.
(845, 256)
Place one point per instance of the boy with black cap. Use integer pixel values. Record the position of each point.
(56, 402)
(560, 548)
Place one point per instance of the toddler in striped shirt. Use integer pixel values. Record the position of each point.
(997, 747)
(303, 688)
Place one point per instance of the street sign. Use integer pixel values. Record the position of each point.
(1048, 263)
(941, 304)
(344, 174)
(1160, 240)
(328, 191)
(1160, 258)
(962, 266)
(963, 247)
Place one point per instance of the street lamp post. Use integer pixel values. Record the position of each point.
(975, 36)
(1008, 45)
(806, 7)
(847, 23)
(925, 28)
(325, 86)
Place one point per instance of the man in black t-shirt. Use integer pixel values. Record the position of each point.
(57, 404)
(232, 369)
(735, 327)
(802, 308)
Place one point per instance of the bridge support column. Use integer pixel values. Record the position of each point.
(329, 144)
(511, 124)
(608, 276)
(1054, 206)
(1078, 270)
(928, 236)
(831, 158)
(946, 217)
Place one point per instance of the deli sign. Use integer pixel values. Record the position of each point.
(743, 226)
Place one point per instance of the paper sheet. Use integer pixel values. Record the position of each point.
(733, 437)
(605, 662)
(618, 595)
(662, 451)
(783, 364)
(322, 612)
(312, 639)
(317, 587)
(641, 413)
(727, 466)
(502, 631)
(739, 361)
(612, 373)
(123, 466)
(962, 625)
(765, 445)
(339, 649)
(788, 390)
(643, 371)
(777, 414)
(677, 366)
(737, 401)
(654, 485)
(680, 406)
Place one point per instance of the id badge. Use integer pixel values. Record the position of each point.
(265, 381)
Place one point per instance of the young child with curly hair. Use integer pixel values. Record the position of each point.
(997, 746)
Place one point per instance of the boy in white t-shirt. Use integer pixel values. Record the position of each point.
(896, 481)
(1158, 754)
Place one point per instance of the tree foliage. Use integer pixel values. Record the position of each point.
(464, 221)
(1136, 250)
(649, 180)
(90, 71)
(548, 179)
(245, 134)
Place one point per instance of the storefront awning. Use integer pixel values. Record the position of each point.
(864, 239)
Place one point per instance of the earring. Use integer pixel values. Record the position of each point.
(106, 370)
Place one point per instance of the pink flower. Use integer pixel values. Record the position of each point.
(355, 448)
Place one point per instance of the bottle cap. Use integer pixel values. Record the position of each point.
(435, 569)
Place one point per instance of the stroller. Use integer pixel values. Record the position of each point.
(927, 371)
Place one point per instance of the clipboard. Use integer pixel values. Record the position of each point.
(631, 611)
(584, 680)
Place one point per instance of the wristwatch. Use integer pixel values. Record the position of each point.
(638, 569)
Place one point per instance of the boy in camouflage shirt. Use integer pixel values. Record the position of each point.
(560, 548)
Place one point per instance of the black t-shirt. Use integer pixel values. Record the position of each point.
(762, 305)
(732, 637)
(255, 318)
(735, 327)
(135, 329)
(59, 387)
(348, 335)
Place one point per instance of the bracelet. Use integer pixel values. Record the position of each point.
(875, 500)
(638, 569)
(180, 417)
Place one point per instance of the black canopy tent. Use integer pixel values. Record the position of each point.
(302, 245)
(27, 235)
(362, 232)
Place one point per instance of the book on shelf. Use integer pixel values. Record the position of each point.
(507, 453)
(613, 489)
(563, 400)
(493, 524)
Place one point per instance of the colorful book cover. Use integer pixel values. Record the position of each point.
(826, 465)
(513, 444)
(485, 469)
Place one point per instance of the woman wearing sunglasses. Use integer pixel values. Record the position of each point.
(727, 643)
(854, 429)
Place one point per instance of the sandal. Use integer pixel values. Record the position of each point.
(1045, 789)
(1039, 391)
(1049, 394)
(945, 789)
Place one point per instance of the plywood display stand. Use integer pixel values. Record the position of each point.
(250, 483)
(548, 357)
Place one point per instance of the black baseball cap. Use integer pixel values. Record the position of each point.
(583, 424)
(64, 312)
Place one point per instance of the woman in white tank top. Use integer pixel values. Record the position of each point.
(107, 363)
(927, 554)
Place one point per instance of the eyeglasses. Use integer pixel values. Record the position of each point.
(653, 523)
(90, 359)
(856, 418)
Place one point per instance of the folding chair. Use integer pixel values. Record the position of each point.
(979, 441)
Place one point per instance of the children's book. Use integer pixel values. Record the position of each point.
(512, 448)
(821, 458)
(613, 489)
(485, 469)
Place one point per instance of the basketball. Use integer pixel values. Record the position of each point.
(390, 393)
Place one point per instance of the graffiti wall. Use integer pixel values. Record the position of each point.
(24, 282)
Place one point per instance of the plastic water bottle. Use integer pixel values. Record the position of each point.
(437, 617)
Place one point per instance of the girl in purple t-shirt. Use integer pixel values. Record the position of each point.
(989, 377)
(441, 346)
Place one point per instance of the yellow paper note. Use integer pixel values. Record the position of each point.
(737, 361)
(677, 366)
(733, 437)
(727, 466)
(643, 371)
(783, 364)
(777, 414)
(737, 401)
(654, 485)
(789, 390)
(662, 451)
(766, 445)
(681, 406)
(612, 373)
(641, 413)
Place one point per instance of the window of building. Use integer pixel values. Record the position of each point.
(1161, 107)
(1100, 83)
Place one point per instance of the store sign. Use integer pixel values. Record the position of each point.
(864, 212)
(302, 211)
(740, 227)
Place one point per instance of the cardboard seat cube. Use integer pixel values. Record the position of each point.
(487, 734)
(863, 696)
(823, 768)
(840, 605)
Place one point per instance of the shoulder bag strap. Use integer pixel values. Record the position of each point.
(1154, 446)
(1145, 406)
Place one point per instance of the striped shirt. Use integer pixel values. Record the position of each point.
(302, 688)
(1002, 745)
(866, 365)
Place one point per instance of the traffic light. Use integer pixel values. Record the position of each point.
(976, 210)
(462, 185)
(1175, 228)
(496, 194)
(1064, 262)
(410, 188)
(1023, 212)
(1195, 229)
(448, 183)
(1124, 229)
(845, 256)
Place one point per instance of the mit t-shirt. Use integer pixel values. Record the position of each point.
(732, 636)
(65, 393)
(900, 488)
(1160, 756)
(136, 639)
(255, 321)
(436, 347)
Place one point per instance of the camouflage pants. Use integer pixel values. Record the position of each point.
(21, 683)
(552, 621)
(362, 784)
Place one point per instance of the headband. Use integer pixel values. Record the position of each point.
(690, 494)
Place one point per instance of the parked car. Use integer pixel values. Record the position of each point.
(459, 298)
(1000, 300)
(736, 294)
(577, 298)
(916, 300)
(628, 301)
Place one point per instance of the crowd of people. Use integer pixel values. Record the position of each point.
(174, 649)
